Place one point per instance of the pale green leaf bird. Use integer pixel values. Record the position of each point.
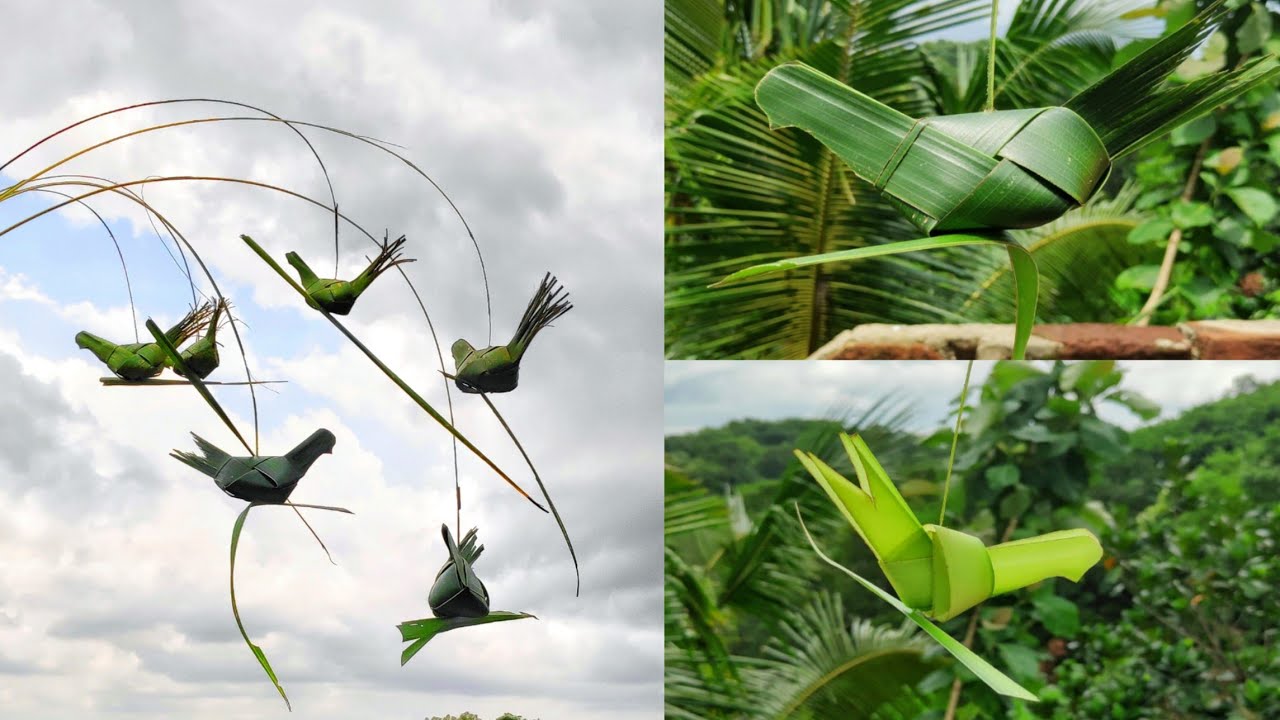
(937, 570)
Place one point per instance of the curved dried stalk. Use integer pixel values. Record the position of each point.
(293, 125)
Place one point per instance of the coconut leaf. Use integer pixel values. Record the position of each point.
(422, 631)
(1134, 104)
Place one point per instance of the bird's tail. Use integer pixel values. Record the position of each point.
(387, 258)
(191, 325)
(470, 548)
(223, 306)
(1065, 553)
(209, 460)
(548, 303)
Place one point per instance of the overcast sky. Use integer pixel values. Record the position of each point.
(702, 394)
(542, 120)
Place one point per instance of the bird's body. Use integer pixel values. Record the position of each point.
(337, 297)
(457, 592)
(257, 478)
(937, 570)
(139, 361)
(201, 356)
(496, 368)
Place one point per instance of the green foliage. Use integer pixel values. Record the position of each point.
(1230, 445)
(1176, 622)
(473, 716)
(1229, 163)
(1196, 637)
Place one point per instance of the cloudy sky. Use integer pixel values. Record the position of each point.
(543, 125)
(703, 394)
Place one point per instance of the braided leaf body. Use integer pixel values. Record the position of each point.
(974, 172)
(139, 361)
(258, 478)
(457, 592)
(497, 368)
(339, 296)
(937, 570)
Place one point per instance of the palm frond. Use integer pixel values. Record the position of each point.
(1134, 105)
(1079, 256)
(821, 665)
(692, 39)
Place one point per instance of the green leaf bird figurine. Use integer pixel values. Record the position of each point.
(938, 572)
(1019, 168)
(457, 598)
(496, 369)
(966, 179)
(201, 357)
(258, 478)
(457, 592)
(941, 571)
(136, 362)
(337, 297)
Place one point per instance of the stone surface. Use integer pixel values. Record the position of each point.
(1101, 341)
(1235, 339)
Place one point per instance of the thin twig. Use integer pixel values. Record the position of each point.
(1171, 250)
(953, 702)
(955, 439)
(991, 58)
(556, 513)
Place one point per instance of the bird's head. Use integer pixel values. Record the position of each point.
(83, 339)
(461, 349)
(293, 258)
(319, 443)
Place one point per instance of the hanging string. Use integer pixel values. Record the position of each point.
(991, 58)
(955, 438)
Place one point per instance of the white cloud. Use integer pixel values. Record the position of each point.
(548, 142)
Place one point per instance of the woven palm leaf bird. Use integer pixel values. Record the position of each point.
(496, 369)
(258, 478)
(339, 296)
(938, 572)
(201, 357)
(457, 598)
(965, 179)
(136, 362)
(936, 569)
(457, 592)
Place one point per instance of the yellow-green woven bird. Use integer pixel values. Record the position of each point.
(139, 361)
(339, 296)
